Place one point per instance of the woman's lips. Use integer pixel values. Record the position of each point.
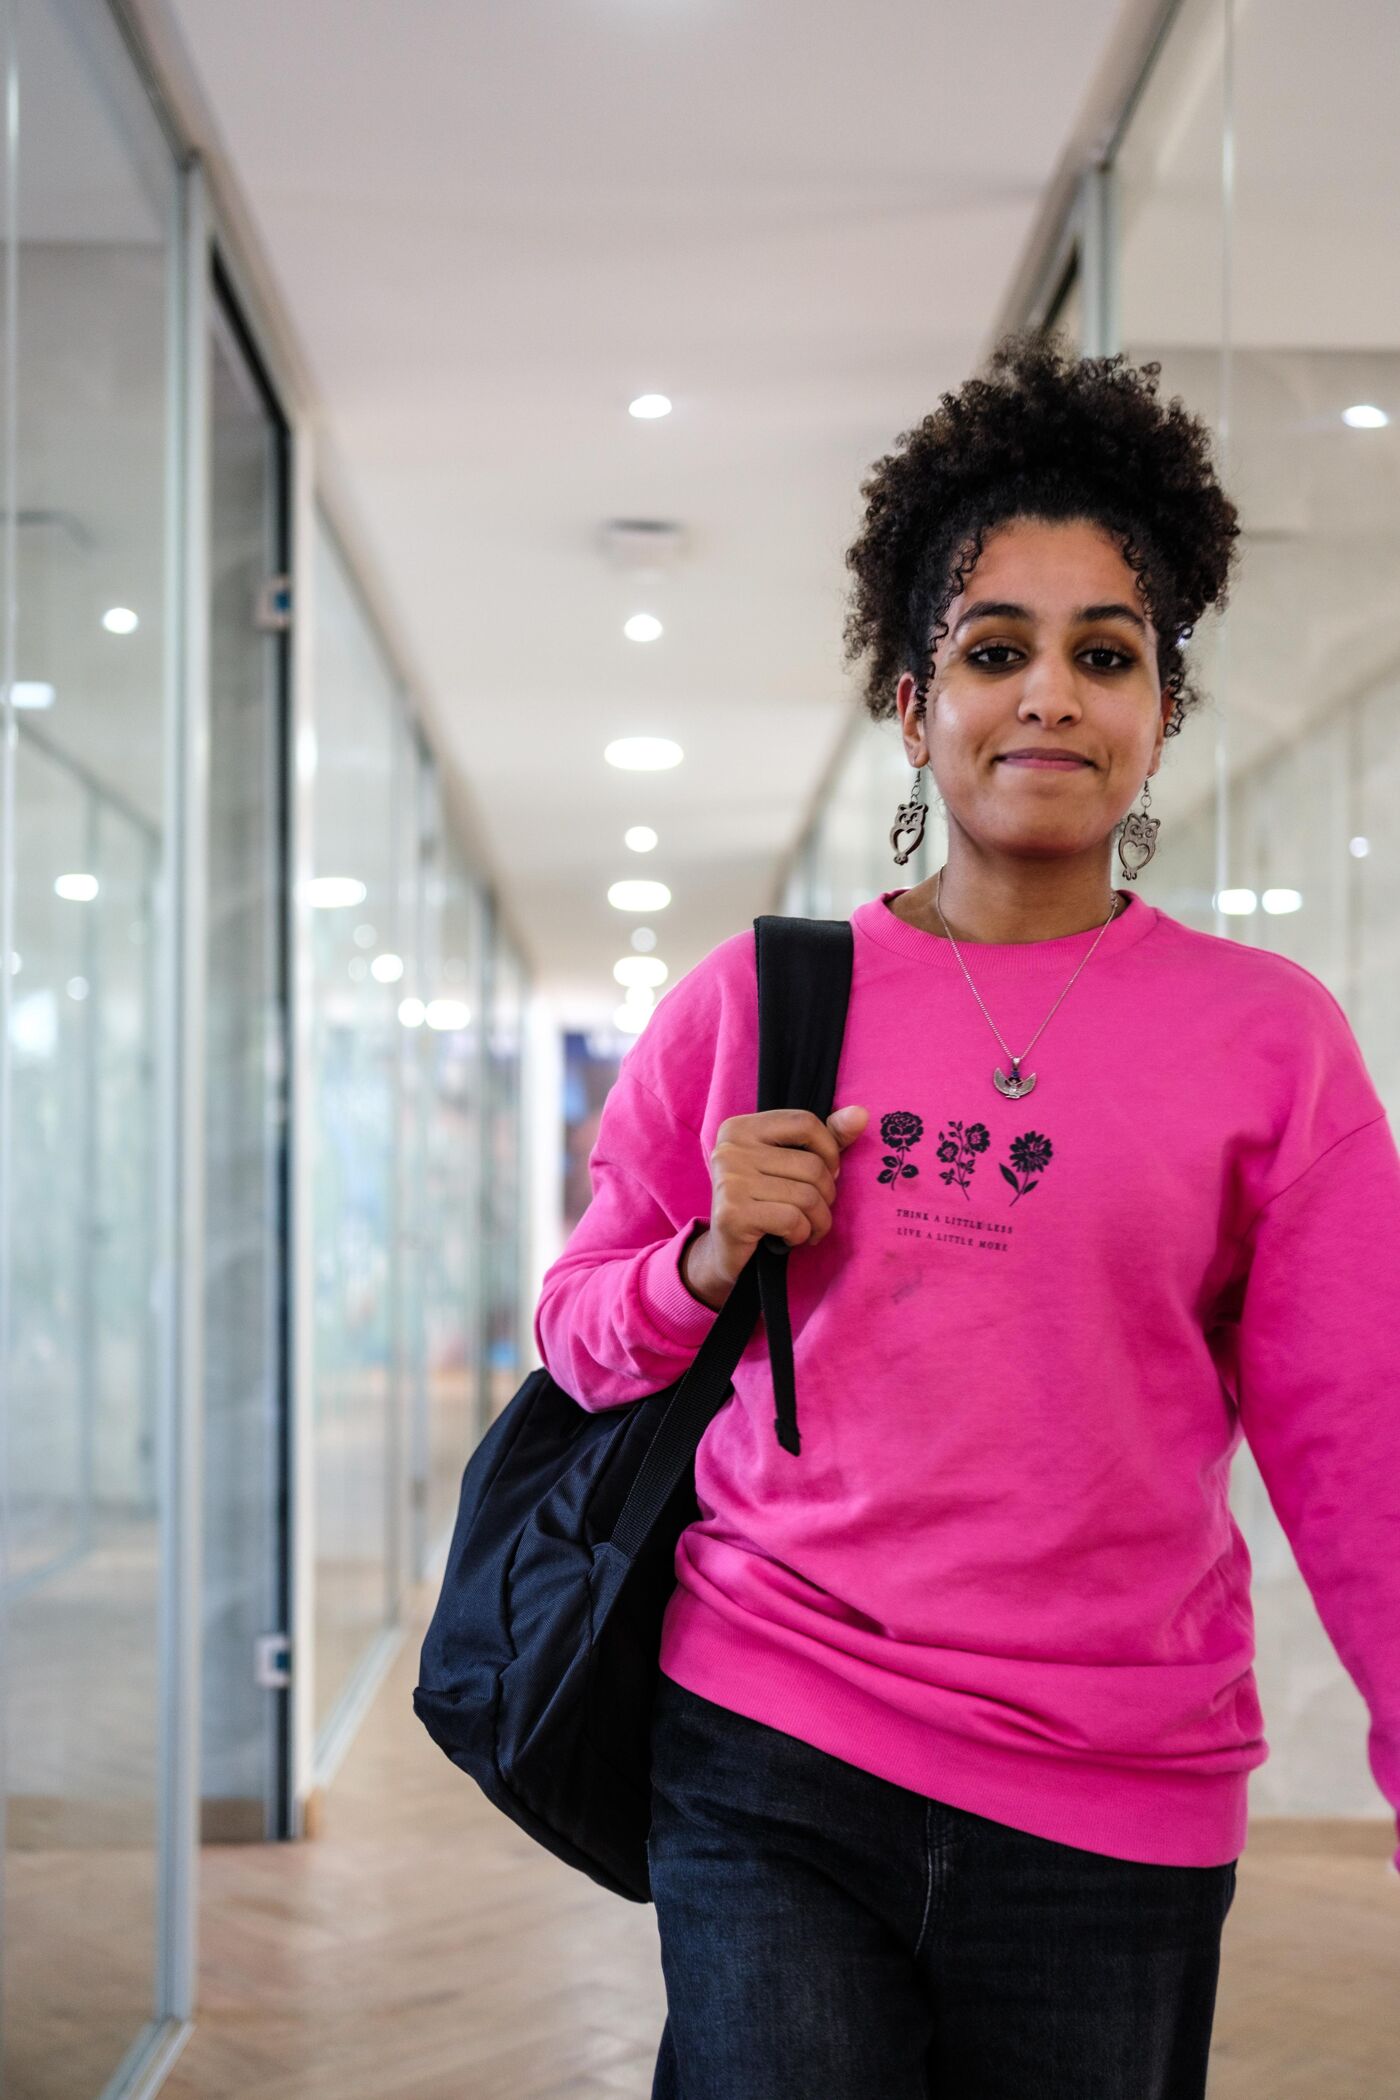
(1063, 765)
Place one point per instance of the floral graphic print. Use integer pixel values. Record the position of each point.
(899, 1130)
(1030, 1156)
(959, 1145)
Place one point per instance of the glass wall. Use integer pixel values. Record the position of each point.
(1258, 220)
(147, 1286)
(360, 930)
(418, 1188)
(845, 856)
(91, 753)
(1249, 242)
(505, 1173)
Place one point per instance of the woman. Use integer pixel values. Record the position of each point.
(956, 1710)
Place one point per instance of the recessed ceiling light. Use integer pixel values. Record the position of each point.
(1282, 900)
(644, 939)
(639, 837)
(648, 406)
(78, 889)
(1236, 904)
(638, 896)
(643, 754)
(120, 619)
(630, 1020)
(412, 1013)
(447, 1013)
(329, 892)
(1363, 416)
(386, 969)
(32, 692)
(1359, 848)
(640, 969)
(642, 627)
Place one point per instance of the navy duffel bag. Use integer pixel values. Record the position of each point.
(539, 1667)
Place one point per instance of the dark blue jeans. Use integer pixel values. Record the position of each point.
(826, 1932)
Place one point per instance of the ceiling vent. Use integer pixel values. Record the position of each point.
(642, 546)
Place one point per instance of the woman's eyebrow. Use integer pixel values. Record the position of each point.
(1002, 609)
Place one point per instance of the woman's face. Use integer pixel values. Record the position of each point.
(1044, 677)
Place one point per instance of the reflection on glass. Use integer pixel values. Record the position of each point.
(83, 1568)
(361, 743)
(1172, 231)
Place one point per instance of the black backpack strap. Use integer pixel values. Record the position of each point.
(804, 982)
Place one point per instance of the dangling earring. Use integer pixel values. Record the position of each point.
(1137, 837)
(911, 817)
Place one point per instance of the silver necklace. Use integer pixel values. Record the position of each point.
(1019, 1083)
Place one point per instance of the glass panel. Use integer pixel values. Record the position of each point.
(1314, 692)
(245, 1114)
(452, 1045)
(504, 1189)
(84, 1572)
(360, 742)
(848, 858)
(1170, 212)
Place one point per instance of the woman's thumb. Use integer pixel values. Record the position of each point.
(848, 1123)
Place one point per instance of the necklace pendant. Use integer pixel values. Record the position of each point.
(1019, 1083)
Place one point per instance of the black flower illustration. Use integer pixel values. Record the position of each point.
(899, 1130)
(1031, 1154)
(959, 1145)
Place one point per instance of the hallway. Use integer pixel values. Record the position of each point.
(421, 1948)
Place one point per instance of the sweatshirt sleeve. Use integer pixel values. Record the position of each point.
(1318, 1387)
(614, 1320)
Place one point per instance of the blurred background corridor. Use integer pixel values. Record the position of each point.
(430, 435)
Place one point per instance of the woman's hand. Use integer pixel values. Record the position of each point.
(771, 1172)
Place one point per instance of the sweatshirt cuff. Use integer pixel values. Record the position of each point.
(683, 1320)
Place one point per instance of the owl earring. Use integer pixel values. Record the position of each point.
(1137, 837)
(912, 815)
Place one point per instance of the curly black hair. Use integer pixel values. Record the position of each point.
(1044, 434)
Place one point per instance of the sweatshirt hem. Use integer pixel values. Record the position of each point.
(1156, 1817)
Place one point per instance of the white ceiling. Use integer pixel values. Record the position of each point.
(492, 224)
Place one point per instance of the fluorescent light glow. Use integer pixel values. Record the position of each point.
(640, 969)
(120, 619)
(387, 969)
(330, 892)
(630, 1020)
(637, 895)
(78, 889)
(1365, 416)
(412, 1013)
(643, 754)
(1282, 900)
(32, 692)
(447, 1013)
(648, 406)
(1236, 904)
(1358, 848)
(640, 837)
(642, 627)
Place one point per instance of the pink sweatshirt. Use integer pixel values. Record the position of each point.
(1003, 1570)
